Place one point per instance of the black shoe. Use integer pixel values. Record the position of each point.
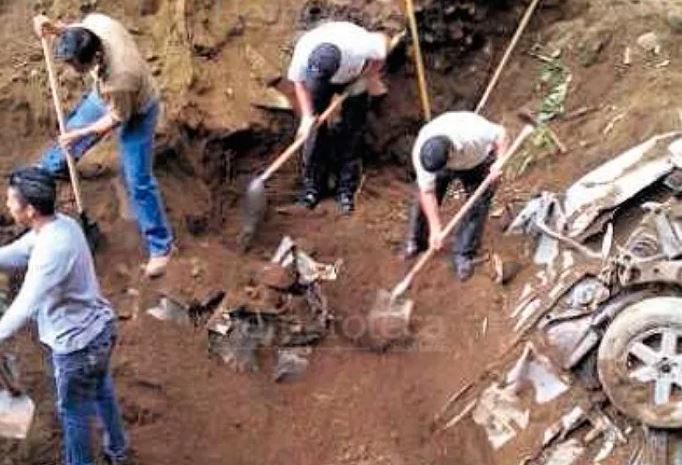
(345, 202)
(464, 267)
(309, 200)
(412, 249)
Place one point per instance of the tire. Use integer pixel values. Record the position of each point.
(640, 361)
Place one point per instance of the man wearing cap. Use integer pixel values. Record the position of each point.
(125, 99)
(455, 145)
(61, 295)
(326, 60)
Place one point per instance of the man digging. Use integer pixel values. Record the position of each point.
(326, 61)
(124, 98)
(61, 294)
(455, 145)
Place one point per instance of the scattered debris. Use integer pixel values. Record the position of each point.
(171, 310)
(291, 364)
(627, 56)
(566, 453)
(650, 43)
(285, 311)
(612, 123)
(499, 411)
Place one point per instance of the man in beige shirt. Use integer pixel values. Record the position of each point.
(124, 98)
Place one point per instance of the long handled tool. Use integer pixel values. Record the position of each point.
(498, 72)
(389, 317)
(419, 60)
(91, 229)
(16, 408)
(255, 201)
(254, 204)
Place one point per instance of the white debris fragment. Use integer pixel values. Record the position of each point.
(499, 411)
(566, 453)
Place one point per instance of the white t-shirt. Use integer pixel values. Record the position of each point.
(472, 137)
(357, 45)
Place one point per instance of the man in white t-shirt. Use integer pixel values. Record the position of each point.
(455, 145)
(326, 60)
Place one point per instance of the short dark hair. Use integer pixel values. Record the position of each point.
(77, 45)
(36, 187)
(434, 153)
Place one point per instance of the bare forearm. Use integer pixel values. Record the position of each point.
(100, 127)
(429, 205)
(502, 143)
(304, 99)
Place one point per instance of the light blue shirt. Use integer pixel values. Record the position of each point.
(60, 291)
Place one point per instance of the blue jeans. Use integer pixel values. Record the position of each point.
(85, 391)
(135, 148)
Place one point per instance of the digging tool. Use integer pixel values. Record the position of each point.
(255, 200)
(517, 35)
(419, 60)
(16, 408)
(91, 229)
(389, 317)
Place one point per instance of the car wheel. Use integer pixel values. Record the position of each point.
(640, 361)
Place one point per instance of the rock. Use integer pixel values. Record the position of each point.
(291, 364)
(591, 47)
(649, 42)
(277, 277)
(272, 99)
(674, 19)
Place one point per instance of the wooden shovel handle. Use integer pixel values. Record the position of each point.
(419, 61)
(62, 126)
(497, 166)
(280, 160)
(517, 35)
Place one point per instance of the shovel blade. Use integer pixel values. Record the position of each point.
(254, 205)
(389, 320)
(16, 415)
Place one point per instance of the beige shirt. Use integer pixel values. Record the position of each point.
(124, 80)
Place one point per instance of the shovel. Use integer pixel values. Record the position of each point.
(16, 408)
(389, 318)
(255, 201)
(91, 229)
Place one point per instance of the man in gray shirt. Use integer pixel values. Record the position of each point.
(60, 293)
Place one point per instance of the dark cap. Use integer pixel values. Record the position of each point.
(434, 153)
(36, 186)
(324, 61)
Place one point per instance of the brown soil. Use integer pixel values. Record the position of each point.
(352, 405)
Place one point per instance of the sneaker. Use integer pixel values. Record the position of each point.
(464, 267)
(309, 200)
(345, 202)
(156, 266)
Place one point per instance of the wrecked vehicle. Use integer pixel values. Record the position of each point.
(598, 333)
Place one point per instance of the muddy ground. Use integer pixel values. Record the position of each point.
(213, 60)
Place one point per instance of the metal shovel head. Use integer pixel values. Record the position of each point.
(254, 205)
(389, 320)
(16, 415)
